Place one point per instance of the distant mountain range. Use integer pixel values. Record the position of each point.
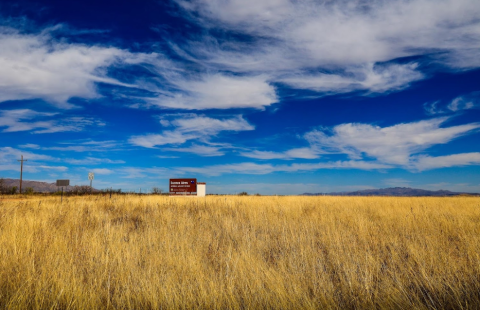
(395, 191)
(39, 187)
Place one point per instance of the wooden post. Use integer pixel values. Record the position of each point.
(21, 172)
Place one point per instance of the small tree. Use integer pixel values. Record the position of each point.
(83, 189)
(29, 191)
(13, 190)
(243, 194)
(157, 190)
(2, 186)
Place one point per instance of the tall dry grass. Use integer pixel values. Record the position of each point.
(240, 252)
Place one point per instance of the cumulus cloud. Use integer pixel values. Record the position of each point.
(391, 145)
(188, 127)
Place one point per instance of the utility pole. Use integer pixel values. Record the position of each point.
(21, 172)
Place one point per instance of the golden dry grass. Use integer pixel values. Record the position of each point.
(240, 252)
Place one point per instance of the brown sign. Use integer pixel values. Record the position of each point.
(183, 186)
(63, 182)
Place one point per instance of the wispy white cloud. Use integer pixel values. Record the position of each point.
(12, 154)
(217, 91)
(461, 103)
(304, 44)
(30, 146)
(392, 145)
(327, 47)
(349, 32)
(40, 66)
(207, 125)
(433, 108)
(303, 153)
(370, 78)
(188, 127)
(38, 122)
(50, 168)
(241, 168)
(101, 171)
(14, 120)
(169, 137)
(34, 162)
(92, 161)
(142, 172)
(254, 168)
(426, 162)
(78, 146)
(470, 101)
(202, 150)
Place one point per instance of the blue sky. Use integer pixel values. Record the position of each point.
(270, 97)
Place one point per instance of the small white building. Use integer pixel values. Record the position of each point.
(201, 189)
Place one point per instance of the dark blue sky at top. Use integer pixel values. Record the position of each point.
(129, 23)
(247, 96)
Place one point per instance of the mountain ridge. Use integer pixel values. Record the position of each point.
(397, 192)
(41, 187)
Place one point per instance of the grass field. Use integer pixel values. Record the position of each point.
(228, 252)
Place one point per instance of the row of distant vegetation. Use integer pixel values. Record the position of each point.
(232, 252)
(71, 191)
(83, 190)
(12, 190)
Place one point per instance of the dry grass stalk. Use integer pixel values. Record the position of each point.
(240, 252)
